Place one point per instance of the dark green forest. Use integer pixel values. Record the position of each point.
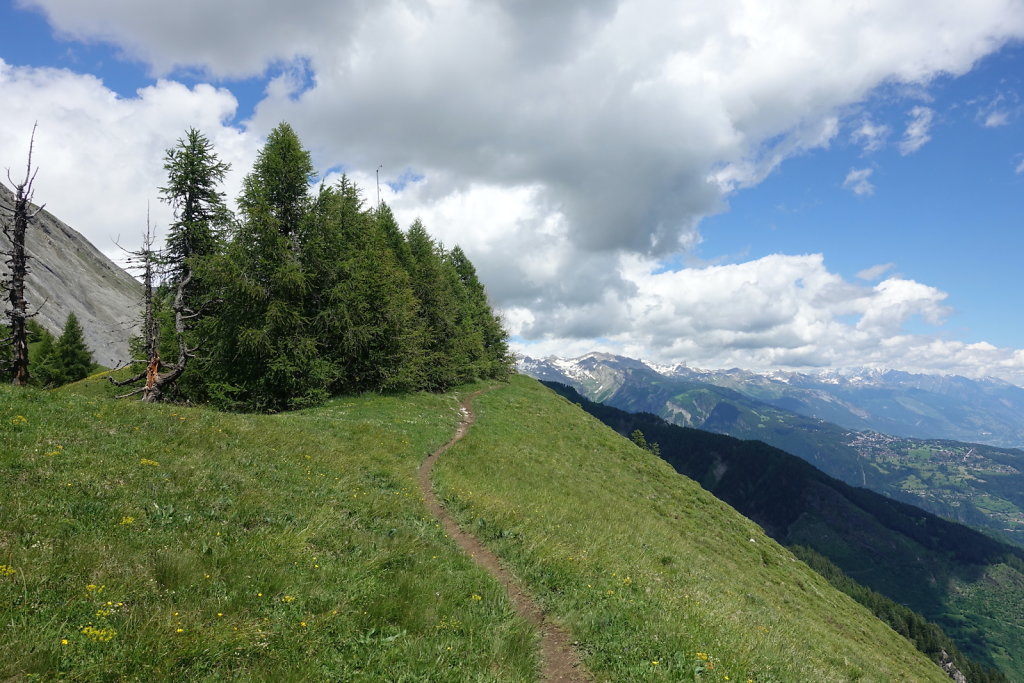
(306, 293)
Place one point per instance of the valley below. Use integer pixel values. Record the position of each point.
(974, 483)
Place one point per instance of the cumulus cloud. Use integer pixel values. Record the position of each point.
(858, 181)
(918, 129)
(632, 120)
(782, 311)
(99, 155)
(559, 143)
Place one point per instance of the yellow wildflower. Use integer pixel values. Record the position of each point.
(99, 635)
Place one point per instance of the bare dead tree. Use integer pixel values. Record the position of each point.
(146, 260)
(15, 229)
(156, 376)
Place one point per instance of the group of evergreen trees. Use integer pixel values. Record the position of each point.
(308, 292)
(55, 360)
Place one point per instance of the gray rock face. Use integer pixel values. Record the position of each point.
(67, 274)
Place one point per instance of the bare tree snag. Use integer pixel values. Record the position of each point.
(155, 381)
(17, 260)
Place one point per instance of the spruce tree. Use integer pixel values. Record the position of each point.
(67, 360)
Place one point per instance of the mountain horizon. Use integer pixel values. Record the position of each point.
(985, 410)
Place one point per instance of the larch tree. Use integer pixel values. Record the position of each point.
(432, 280)
(69, 358)
(363, 306)
(495, 362)
(264, 354)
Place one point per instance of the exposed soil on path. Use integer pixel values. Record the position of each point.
(560, 662)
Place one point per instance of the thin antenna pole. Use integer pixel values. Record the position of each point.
(378, 186)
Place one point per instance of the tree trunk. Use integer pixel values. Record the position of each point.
(17, 313)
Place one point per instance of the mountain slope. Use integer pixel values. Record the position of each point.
(69, 275)
(973, 483)
(948, 407)
(970, 584)
(649, 573)
(175, 542)
(955, 408)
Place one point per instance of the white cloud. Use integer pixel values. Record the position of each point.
(994, 119)
(997, 110)
(858, 181)
(870, 136)
(917, 132)
(633, 120)
(100, 157)
(560, 143)
(779, 311)
(1020, 167)
(875, 272)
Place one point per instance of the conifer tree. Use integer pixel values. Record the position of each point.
(264, 354)
(393, 235)
(194, 173)
(43, 370)
(435, 284)
(364, 304)
(495, 361)
(15, 229)
(68, 359)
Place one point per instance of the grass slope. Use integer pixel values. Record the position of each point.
(168, 543)
(963, 580)
(656, 578)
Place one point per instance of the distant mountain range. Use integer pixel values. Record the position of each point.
(67, 274)
(986, 411)
(975, 483)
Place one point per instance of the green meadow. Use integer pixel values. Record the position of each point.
(165, 542)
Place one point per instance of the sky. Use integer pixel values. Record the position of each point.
(745, 183)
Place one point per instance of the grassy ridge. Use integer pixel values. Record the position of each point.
(970, 584)
(171, 543)
(168, 543)
(656, 578)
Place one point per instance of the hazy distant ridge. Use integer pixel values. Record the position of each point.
(987, 411)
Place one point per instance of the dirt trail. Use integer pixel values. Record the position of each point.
(560, 662)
